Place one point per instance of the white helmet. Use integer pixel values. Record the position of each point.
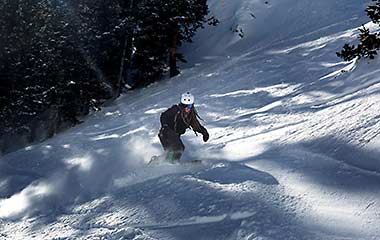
(187, 98)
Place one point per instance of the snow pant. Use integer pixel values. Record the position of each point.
(172, 144)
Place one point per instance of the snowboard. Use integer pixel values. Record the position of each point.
(160, 159)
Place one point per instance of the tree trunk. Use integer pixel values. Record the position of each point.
(122, 62)
(127, 51)
(172, 56)
(53, 121)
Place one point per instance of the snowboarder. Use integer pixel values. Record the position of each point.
(174, 122)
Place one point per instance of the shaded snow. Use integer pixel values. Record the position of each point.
(293, 150)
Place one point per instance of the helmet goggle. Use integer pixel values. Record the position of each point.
(189, 106)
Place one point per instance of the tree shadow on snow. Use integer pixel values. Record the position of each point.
(329, 162)
(225, 172)
(219, 201)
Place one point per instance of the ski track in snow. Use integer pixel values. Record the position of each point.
(293, 153)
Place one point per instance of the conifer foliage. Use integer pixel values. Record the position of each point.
(161, 27)
(369, 42)
(60, 59)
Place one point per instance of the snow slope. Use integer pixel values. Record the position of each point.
(293, 153)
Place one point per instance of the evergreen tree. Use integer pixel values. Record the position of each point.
(369, 43)
(43, 54)
(60, 59)
(161, 27)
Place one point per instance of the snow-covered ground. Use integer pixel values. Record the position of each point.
(293, 153)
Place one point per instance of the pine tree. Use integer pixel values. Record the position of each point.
(43, 53)
(161, 27)
(60, 59)
(369, 43)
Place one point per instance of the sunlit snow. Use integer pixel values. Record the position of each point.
(293, 150)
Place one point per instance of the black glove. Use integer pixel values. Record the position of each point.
(205, 136)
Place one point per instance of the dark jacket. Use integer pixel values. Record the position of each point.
(173, 119)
